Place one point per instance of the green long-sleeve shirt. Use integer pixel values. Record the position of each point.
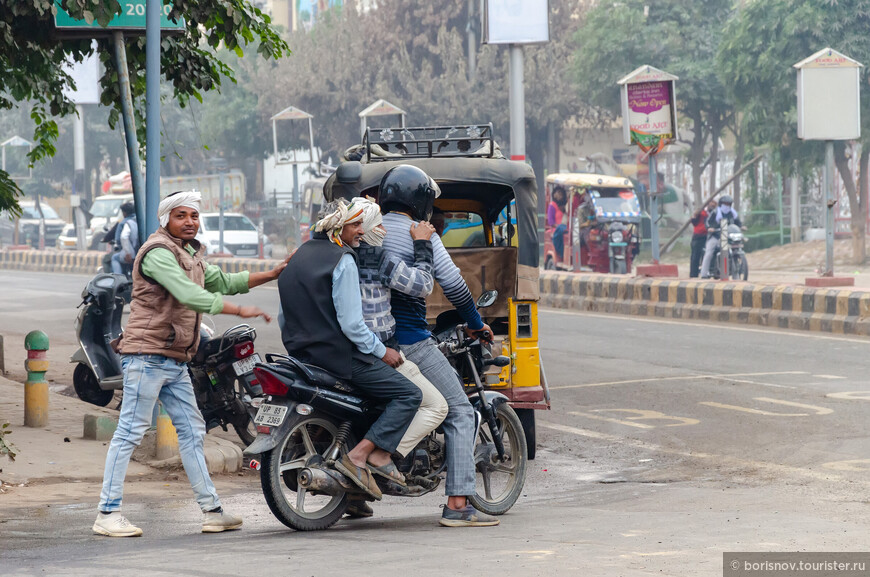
(160, 265)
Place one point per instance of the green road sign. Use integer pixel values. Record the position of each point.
(132, 17)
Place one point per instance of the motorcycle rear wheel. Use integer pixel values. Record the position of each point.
(499, 484)
(244, 423)
(309, 437)
(88, 388)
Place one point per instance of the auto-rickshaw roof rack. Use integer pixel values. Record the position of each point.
(470, 141)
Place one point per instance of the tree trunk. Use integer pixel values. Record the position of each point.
(696, 159)
(715, 133)
(738, 164)
(858, 221)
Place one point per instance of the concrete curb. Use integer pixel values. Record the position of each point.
(837, 311)
(87, 262)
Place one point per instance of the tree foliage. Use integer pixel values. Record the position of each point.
(33, 55)
(678, 36)
(760, 45)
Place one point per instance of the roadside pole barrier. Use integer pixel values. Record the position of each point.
(36, 387)
(167, 437)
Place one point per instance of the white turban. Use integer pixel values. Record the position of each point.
(188, 198)
(340, 215)
(372, 219)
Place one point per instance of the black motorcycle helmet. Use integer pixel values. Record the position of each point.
(406, 188)
(726, 199)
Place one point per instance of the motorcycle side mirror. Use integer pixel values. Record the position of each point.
(487, 299)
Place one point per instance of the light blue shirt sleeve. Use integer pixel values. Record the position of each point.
(348, 307)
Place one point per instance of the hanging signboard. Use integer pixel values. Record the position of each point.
(649, 112)
(515, 21)
(131, 18)
(828, 97)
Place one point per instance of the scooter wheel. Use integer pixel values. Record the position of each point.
(88, 388)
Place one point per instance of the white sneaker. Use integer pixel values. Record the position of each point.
(115, 525)
(217, 522)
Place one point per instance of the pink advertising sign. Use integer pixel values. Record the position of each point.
(649, 113)
(649, 118)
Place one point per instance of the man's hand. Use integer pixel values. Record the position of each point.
(478, 333)
(422, 231)
(276, 272)
(251, 312)
(128, 258)
(392, 357)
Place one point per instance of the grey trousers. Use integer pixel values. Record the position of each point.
(382, 382)
(459, 424)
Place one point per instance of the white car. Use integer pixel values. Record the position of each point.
(105, 211)
(240, 235)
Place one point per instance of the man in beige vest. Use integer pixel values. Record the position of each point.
(172, 287)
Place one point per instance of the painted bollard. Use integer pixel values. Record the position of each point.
(167, 436)
(36, 387)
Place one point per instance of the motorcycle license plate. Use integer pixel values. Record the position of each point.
(245, 366)
(270, 415)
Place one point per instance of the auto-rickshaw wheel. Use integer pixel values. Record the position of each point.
(527, 419)
(549, 264)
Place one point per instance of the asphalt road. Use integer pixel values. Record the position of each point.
(668, 444)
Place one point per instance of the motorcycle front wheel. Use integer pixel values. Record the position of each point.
(499, 484)
(309, 440)
(740, 267)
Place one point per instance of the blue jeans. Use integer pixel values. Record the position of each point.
(559, 241)
(146, 379)
(459, 424)
(119, 265)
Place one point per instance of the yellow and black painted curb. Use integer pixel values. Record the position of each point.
(837, 311)
(87, 262)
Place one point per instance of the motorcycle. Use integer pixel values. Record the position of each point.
(221, 371)
(621, 239)
(731, 243)
(309, 417)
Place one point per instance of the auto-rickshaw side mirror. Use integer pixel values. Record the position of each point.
(348, 172)
(487, 299)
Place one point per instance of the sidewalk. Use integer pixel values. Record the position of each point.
(57, 465)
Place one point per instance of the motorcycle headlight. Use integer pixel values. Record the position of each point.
(736, 236)
(616, 236)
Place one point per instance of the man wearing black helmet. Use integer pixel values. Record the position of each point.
(407, 195)
(714, 227)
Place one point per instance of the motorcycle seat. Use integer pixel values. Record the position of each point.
(323, 378)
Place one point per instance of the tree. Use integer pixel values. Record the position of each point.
(679, 36)
(32, 58)
(760, 45)
(414, 54)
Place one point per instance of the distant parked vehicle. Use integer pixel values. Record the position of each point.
(105, 211)
(240, 235)
(28, 225)
(68, 239)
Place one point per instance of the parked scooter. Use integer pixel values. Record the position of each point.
(221, 370)
(309, 417)
(730, 253)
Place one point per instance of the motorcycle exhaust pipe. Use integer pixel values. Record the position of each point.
(325, 482)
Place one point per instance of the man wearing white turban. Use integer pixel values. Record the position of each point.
(323, 325)
(172, 287)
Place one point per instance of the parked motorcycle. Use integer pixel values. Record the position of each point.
(310, 417)
(221, 370)
(731, 243)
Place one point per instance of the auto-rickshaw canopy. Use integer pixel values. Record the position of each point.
(490, 183)
(612, 197)
(586, 180)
